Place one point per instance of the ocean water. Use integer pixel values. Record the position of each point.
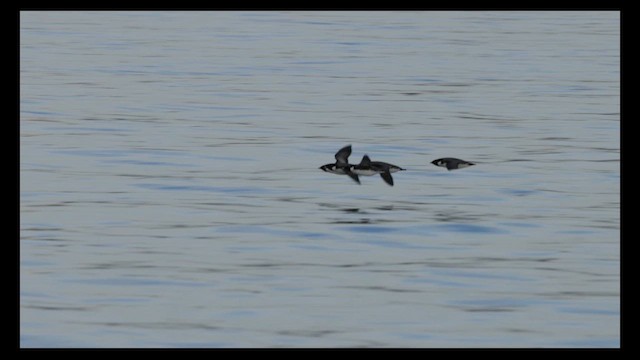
(170, 194)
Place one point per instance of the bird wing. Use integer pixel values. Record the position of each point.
(386, 176)
(342, 156)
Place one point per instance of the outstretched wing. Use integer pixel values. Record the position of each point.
(365, 161)
(352, 175)
(342, 156)
(386, 176)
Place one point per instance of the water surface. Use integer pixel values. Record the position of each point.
(170, 194)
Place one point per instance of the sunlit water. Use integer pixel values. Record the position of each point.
(170, 194)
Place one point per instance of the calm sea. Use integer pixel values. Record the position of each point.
(170, 194)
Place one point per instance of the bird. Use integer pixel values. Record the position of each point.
(341, 166)
(452, 163)
(369, 168)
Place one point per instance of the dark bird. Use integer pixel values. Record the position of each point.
(341, 166)
(452, 163)
(368, 168)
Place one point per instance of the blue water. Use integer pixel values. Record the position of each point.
(170, 194)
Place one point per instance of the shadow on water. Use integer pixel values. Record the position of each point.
(358, 215)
